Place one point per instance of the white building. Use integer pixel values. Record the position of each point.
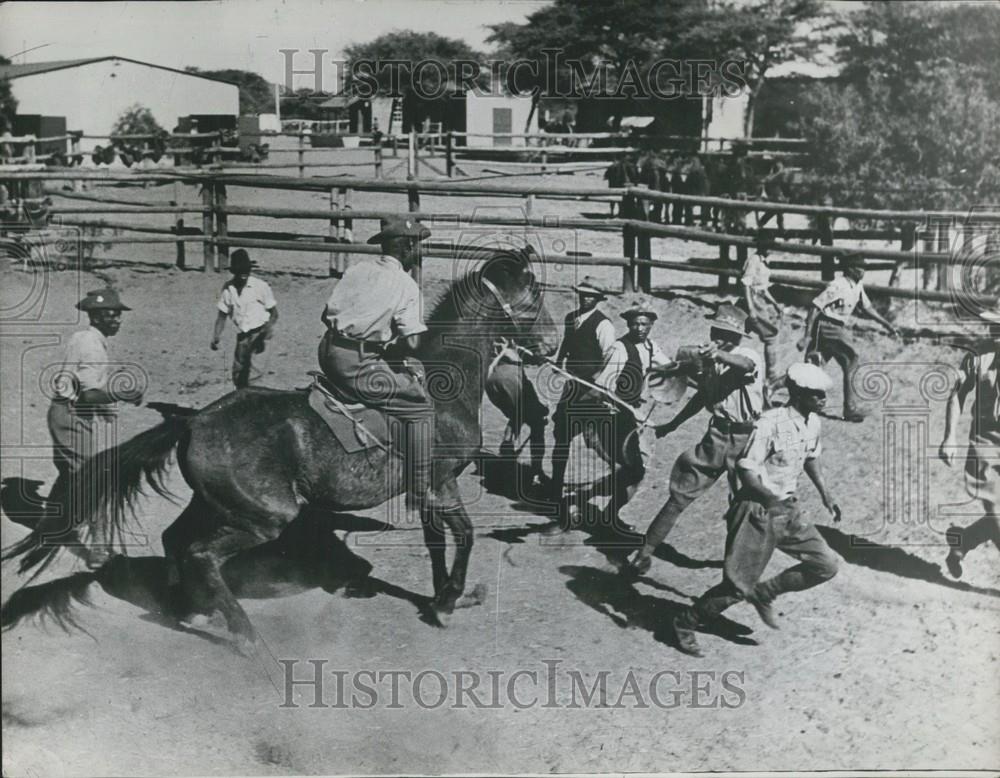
(93, 93)
(498, 115)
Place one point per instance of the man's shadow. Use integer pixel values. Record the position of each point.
(891, 559)
(613, 596)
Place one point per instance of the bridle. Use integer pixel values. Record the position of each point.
(504, 305)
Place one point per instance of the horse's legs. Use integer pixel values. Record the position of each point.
(457, 519)
(211, 598)
(194, 521)
(435, 541)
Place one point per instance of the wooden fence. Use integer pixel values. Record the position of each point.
(636, 261)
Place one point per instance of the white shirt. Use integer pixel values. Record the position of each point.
(740, 401)
(605, 332)
(250, 308)
(376, 300)
(649, 355)
(779, 446)
(840, 298)
(86, 365)
(756, 273)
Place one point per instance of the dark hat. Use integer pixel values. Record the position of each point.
(730, 318)
(852, 259)
(400, 227)
(102, 300)
(239, 262)
(590, 288)
(761, 244)
(639, 308)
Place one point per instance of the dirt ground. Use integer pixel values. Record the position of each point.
(890, 665)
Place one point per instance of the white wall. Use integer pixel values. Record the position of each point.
(479, 117)
(93, 96)
(728, 114)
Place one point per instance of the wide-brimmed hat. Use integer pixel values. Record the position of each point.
(102, 300)
(399, 227)
(639, 308)
(588, 286)
(729, 318)
(806, 375)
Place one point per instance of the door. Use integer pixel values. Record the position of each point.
(503, 123)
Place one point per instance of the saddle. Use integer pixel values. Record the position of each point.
(356, 426)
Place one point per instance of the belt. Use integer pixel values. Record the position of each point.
(732, 427)
(357, 344)
(249, 333)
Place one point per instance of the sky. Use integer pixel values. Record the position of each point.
(242, 34)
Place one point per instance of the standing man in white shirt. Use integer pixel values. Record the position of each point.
(731, 389)
(587, 342)
(625, 376)
(250, 303)
(766, 515)
(83, 399)
(827, 336)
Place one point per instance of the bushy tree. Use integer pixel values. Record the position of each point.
(8, 103)
(136, 120)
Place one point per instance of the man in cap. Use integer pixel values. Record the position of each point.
(730, 386)
(84, 398)
(588, 339)
(766, 515)
(764, 315)
(374, 306)
(624, 376)
(827, 336)
(250, 303)
(978, 375)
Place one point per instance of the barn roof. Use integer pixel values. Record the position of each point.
(34, 68)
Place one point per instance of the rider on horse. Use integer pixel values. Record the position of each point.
(374, 319)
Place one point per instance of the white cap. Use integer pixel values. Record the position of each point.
(808, 376)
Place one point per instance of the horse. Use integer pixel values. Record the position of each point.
(258, 458)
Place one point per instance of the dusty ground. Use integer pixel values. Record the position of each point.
(890, 665)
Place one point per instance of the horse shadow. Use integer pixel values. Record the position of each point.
(307, 555)
(894, 560)
(613, 596)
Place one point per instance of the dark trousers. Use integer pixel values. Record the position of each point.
(575, 408)
(247, 344)
(828, 340)
(753, 533)
(365, 377)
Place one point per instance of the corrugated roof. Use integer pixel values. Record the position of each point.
(34, 68)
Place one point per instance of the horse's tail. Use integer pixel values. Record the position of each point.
(50, 601)
(104, 489)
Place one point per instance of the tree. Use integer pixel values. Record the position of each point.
(136, 120)
(8, 103)
(256, 92)
(761, 35)
(915, 122)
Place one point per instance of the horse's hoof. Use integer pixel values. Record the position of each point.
(473, 598)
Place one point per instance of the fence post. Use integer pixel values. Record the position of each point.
(217, 151)
(529, 202)
(302, 154)
(221, 228)
(545, 159)
(179, 228)
(347, 231)
(723, 285)
(395, 146)
(334, 270)
(449, 161)
(828, 264)
(411, 156)
(30, 152)
(74, 150)
(643, 249)
(741, 256)
(413, 196)
(378, 160)
(628, 246)
(207, 204)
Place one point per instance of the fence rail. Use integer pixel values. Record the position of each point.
(636, 261)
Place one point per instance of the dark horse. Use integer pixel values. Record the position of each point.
(258, 458)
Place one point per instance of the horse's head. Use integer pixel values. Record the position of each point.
(511, 295)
